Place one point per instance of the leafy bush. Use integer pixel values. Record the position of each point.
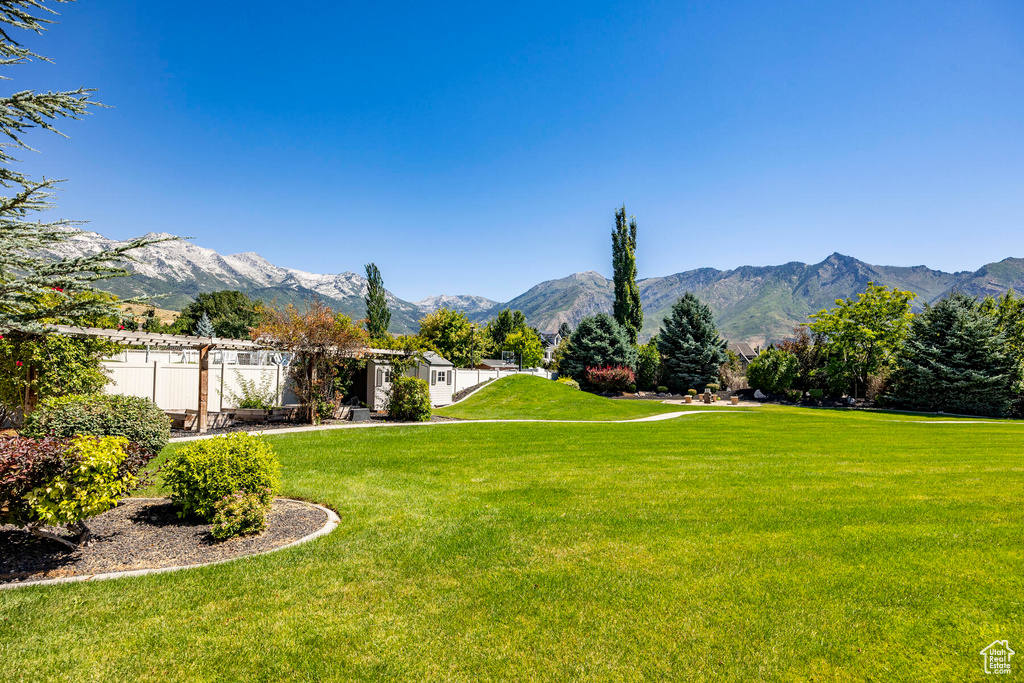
(569, 382)
(202, 472)
(648, 365)
(62, 482)
(816, 394)
(713, 387)
(794, 395)
(611, 378)
(691, 392)
(240, 514)
(773, 371)
(254, 396)
(662, 390)
(139, 420)
(408, 399)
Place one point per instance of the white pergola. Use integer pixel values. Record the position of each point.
(185, 341)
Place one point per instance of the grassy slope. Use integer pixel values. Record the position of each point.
(523, 397)
(768, 545)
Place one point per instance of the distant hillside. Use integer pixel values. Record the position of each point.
(751, 303)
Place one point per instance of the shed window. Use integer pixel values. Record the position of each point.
(449, 373)
(433, 377)
(380, 377)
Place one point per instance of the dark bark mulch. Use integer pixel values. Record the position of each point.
(144, 533)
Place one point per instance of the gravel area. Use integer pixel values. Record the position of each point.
(145, 533)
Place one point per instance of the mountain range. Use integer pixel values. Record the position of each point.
(751, 303)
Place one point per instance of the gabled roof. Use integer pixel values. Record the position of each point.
(743, 349)
(433, 359)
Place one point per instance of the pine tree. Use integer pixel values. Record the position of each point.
(627, 309)
(564, 330)
(691, 350)
(378, 315)
(35, 290)
(204, 328)
(597, 342)
(955, 360)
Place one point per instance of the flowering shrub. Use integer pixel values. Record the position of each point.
(201, 473)
(569, 382)
(63, 482)
(611, 378)
(241, 514)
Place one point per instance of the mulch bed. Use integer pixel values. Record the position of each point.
(145, 533)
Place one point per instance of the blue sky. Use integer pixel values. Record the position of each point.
(483, 147)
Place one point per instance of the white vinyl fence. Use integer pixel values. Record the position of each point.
(175, 386)
(465, 379)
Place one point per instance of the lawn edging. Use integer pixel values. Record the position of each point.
(333, 520)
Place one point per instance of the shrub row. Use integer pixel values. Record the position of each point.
(138, 420)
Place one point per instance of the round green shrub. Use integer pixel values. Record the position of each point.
(691, 392)
(713, 387)
(137, 419)
(408, 399)
(794, 395)
(816, 394)
(240, 514)
(569, 382)
(773, 371)
(662, 390)
(203, 472)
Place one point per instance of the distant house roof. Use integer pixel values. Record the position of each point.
(743, 350)
(495, 363)
(431, 358)
(550, 338)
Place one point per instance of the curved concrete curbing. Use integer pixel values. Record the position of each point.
(330, 525)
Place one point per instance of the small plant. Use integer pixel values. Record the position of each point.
(569, 382)
(691, 392)
(794, 395)
(662, 390)
(631, 388)
(202, 472)
(611, 378)
(139, 420)
(816, 394)
(253, 396)
(408, 399)
(240, 514)
(713, 387)
(773, 371)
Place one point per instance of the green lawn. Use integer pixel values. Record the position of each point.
(772, 544)
(524, 397)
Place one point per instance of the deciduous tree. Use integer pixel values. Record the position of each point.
(862, 336)
(627, 309)
(378, 315)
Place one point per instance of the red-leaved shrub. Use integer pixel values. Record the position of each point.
(611, 378)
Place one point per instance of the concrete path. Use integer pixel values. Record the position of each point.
(365, 425)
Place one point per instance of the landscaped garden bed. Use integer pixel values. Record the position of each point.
(146, 533)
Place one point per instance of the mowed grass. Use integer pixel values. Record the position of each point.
(524, 397)
(774, 544)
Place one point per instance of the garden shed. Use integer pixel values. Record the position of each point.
(437, 371)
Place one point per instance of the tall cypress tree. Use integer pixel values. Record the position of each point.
(955, 359)
(626, 309)
(36, 290)
(378, 315)
(691, 350)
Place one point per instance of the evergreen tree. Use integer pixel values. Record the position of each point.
(955, 360)
(597, 342)
(26, 277)
(378, 315)
(204, 328)
(691, 350)
(564, 330)
(627, 309)
(232, 313)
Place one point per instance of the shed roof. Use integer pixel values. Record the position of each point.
(431, 358)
